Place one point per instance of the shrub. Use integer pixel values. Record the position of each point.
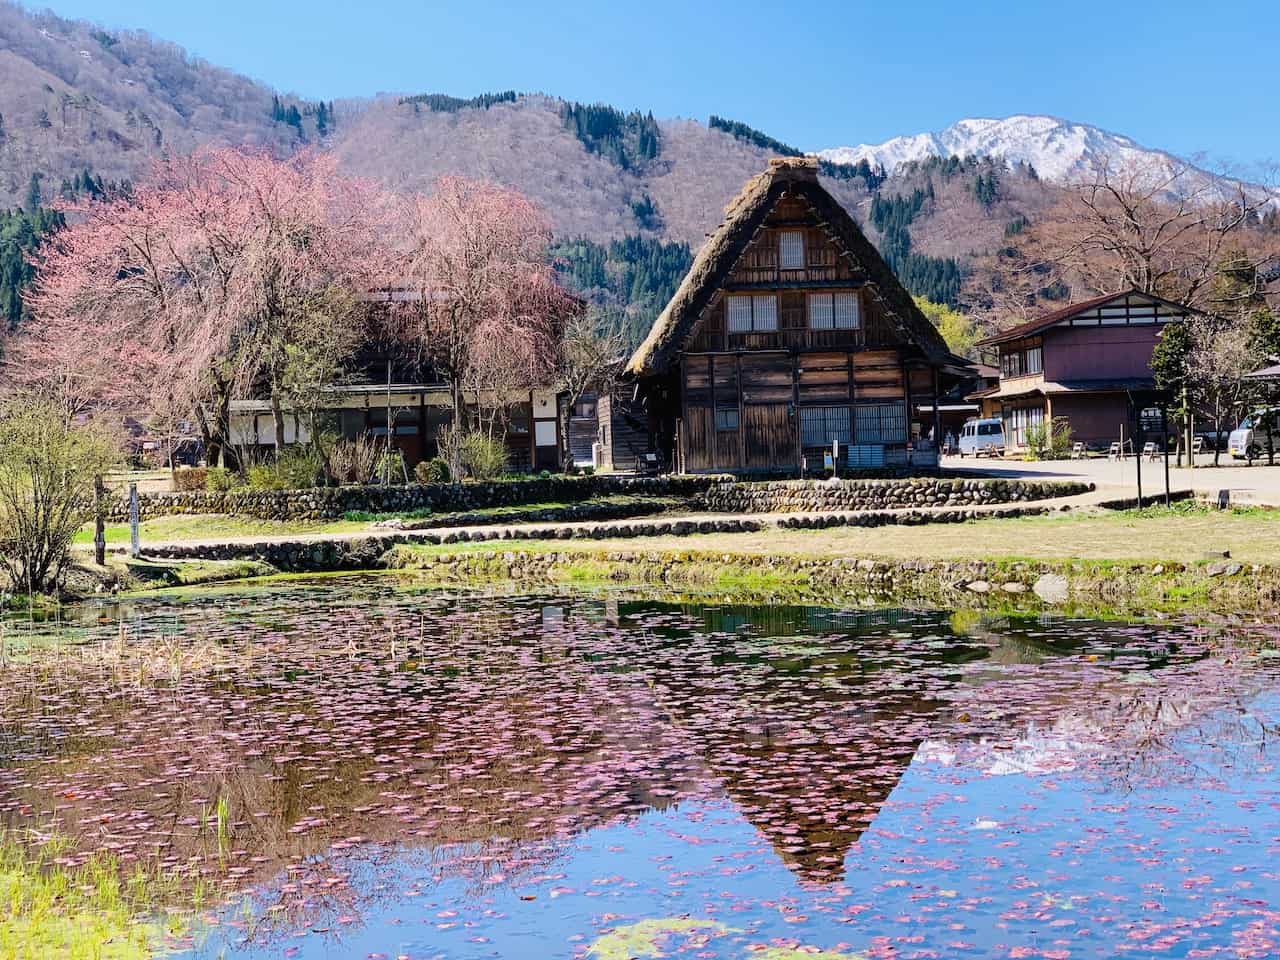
(588, 471)
(391, 467)
(47, 472)
(354, 461)
(1049, 440)
(219, 479)
(186, 479)
(263, 476)
(484, 457)
(299, 468)
(431, 471)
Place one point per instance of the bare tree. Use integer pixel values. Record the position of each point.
(591, 351)
(1161, 227)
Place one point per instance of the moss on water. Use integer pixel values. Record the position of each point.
(91, 911)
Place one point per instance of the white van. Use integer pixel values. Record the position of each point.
(1257, 435)
(982, 436)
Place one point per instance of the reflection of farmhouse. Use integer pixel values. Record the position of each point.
(788, 333)
(806, 732)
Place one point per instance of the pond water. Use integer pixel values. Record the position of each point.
(368, 770)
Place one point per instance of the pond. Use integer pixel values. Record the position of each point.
(365, 769)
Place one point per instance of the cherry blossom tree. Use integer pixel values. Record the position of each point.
(484, 307)
(201, 284)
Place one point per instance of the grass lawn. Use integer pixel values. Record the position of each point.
(1181, 534)
(215, 527)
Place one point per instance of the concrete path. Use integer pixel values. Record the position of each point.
(1257, 484)
(603, 529)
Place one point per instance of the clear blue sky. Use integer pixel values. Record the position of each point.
(1189, 77)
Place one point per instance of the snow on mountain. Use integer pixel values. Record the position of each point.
(1058, 149)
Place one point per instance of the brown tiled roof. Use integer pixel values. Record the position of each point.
(1046, 320)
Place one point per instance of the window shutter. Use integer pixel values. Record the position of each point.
(791, 250)
(739, 314)
(766, 312)
(820, 312)
(846, 311)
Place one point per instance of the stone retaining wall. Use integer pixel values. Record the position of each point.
(366, 553)
(815, 496)
(330, 502)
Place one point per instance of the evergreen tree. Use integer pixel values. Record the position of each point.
(322, 119)
(32, 203)
(20, 233)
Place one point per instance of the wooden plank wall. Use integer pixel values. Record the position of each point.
(766, 391)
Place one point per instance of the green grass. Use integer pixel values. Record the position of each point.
(94, 911)
(1181, 534)
(215, 527)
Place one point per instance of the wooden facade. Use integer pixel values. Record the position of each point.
(790, 339)
(1085, 364)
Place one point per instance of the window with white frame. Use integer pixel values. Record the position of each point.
(791, 250)
(749, 314)
(834, 311)
(846, 311)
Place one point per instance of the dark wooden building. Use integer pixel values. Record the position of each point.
(790, 335)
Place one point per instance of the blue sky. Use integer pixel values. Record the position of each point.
(1189, 77)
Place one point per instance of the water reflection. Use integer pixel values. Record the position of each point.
(358, 759)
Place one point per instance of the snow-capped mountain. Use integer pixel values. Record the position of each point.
(1058, 149)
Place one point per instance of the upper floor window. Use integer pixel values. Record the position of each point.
(752, 313)
(834, 311)
(1022, 363)
(791, 250)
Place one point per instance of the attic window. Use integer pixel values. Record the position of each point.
(752, 313)
(791, 250)
(834, 311)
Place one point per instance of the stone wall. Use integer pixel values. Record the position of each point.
(816, 496)
(330, 502)
(367, 552)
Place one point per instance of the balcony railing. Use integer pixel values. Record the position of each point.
(792, 339)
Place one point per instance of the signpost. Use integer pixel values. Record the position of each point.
(99, 524)
(133, 521)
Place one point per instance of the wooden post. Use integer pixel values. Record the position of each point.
(134, 549)
(99, 524)
(1164, 436)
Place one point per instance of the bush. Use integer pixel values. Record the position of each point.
(219, 479)
(354, 461)
(484, 457)
(391, 467)
(1049, 440)
(47, 472)
(186, 479)
(588, 471)
(263, 476)
(299, 468)
(431, 471)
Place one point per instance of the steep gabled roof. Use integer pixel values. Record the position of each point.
(743, 218)
(1053, 317)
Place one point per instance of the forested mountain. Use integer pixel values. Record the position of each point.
(630, 196)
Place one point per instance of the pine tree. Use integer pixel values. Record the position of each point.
(322, 119)
(32, 204)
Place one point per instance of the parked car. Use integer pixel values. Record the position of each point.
(1257, 434)
(981, 436)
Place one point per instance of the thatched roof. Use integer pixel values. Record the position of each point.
(743, 218)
